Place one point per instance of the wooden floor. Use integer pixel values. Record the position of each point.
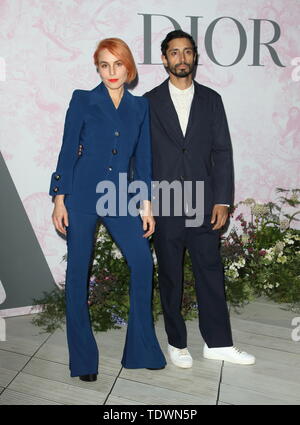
(34, 367)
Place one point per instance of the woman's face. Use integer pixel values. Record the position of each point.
(111, 69)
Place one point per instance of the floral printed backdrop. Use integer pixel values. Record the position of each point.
(46, 53)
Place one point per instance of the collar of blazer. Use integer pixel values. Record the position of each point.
(167, 114)
(99, 98)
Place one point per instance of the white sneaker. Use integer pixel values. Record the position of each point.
(180, 356)
(229, 354)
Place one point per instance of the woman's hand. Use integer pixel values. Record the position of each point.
(148, 219)
(60, 214)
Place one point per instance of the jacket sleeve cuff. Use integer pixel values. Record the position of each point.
(60, 184)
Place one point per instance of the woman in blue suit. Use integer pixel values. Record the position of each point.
(104, 128)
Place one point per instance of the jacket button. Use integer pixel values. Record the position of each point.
(55, 189)
(110, 168)
(114, 151)
(57, 177)
(183, 150)
(117, 133)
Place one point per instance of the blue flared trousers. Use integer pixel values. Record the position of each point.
(141, 348)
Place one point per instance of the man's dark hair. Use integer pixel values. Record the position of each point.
(177, 34)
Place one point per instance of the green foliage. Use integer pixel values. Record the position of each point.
(260, 257)
(52, 315)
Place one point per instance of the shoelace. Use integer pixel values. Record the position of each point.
(184, 352)
(237, 350)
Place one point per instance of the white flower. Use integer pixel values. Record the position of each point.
(281, 258)
(269, 255)
(294, 198)
(101, 238)
(290, 241)
(279, 246)
(154, 258)
(245, 238)
(237, 264)
(236, 274)
(232, 272)
(284, 224)
(248, 201)
(116, 253)
(259, 210)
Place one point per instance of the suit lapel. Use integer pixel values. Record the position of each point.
(101, 103)
(167, 114)
(191, 119)
(198, 114)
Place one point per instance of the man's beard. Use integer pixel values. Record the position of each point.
(181, 73)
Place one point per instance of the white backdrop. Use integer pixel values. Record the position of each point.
(46, 53)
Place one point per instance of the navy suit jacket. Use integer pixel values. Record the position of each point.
(99, 142)
(203, 154)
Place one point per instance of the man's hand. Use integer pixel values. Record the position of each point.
(219, 216)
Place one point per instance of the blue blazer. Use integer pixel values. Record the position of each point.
(99, 142)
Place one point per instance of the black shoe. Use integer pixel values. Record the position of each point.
(90, 377)
(155, 368)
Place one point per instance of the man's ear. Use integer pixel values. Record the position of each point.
(164, 60)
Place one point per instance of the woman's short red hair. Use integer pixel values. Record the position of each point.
(120, 49)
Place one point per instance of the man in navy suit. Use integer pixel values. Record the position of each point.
(191, 142)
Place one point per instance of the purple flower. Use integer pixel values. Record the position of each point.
(118, 320)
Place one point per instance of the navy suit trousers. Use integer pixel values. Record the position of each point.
(141, 348)
(171, 237)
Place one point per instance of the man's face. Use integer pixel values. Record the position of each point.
(180, 58)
